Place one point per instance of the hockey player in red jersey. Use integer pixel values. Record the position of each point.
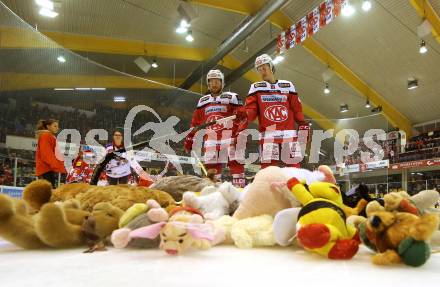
(279, 111)
(220, 139)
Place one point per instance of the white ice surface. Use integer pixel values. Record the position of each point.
(220, 266)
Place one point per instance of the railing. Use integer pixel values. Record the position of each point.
(16, 171)
(414, 187)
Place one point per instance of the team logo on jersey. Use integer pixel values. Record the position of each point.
(273, 98)
(276, 113)
(204, 99)
(215, 127)
(284, 85)
(260, 85)
(226, 96)
(215, 109)
(272, 87)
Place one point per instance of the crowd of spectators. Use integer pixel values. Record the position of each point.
(21, 120)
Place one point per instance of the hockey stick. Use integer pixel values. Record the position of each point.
(100, 167)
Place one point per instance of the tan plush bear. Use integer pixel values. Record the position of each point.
(40, 192)
(55, 226)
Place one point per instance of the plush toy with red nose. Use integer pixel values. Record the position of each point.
(185, 229)
(321, 226)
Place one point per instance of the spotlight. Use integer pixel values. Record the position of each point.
(61, 59)
(48, 13)
(423, 49)
(413, 84)
(367, 104)
(278, 59)
(155, 65)
(181, 30)
(377, 109)
(366, 6)
(348, 10)
(189, 37)
(118, 99)
(45, 4)
(344, 108)
(327, 89)
(183, 27)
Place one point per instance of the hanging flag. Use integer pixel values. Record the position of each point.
(310, 24)
(329, 14)
(313, 22)
(281, 43)
(301, 30)
(323, 14)
(291, 37)
(337, 7)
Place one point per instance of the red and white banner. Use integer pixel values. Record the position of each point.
(313, 22)
(418, 163)
(309, 24)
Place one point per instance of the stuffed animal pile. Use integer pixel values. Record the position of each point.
(280, 207)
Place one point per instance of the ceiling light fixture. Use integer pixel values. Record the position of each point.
(118, 99)
(189, 37)
(327, 89)
(45, 4)
(367, 104)
(63, 89)
(366, 5)
(47, 13)
(423, 49)
(183, 27)
(278, 59)
(61, 59)
(344, 108)
(348, 10)
(413, 83)
(155, 65)
(377, 109)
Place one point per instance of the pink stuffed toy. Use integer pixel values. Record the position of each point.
(185, 229)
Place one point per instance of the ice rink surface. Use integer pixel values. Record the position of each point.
(220, 266)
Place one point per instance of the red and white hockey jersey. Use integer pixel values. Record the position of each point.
(210, 108)
(277, 107)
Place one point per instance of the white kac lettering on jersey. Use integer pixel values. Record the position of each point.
(276, 113)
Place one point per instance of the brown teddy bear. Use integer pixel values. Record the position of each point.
(398, 236)
(56, 226)
(39, 192)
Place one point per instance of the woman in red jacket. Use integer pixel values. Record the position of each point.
(47, 163)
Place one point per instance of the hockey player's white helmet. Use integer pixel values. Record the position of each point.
(262, 60)
(216, 74)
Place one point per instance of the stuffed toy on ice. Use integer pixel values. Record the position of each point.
(56, 225)
(39, 192)
(185, 229)
(177, 185)
(215, 202)
(137, 216)
(245, 233)
(321, 226)
(263, 198)
(418, 204)
(398, 236)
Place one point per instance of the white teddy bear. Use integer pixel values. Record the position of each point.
(214, 202)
